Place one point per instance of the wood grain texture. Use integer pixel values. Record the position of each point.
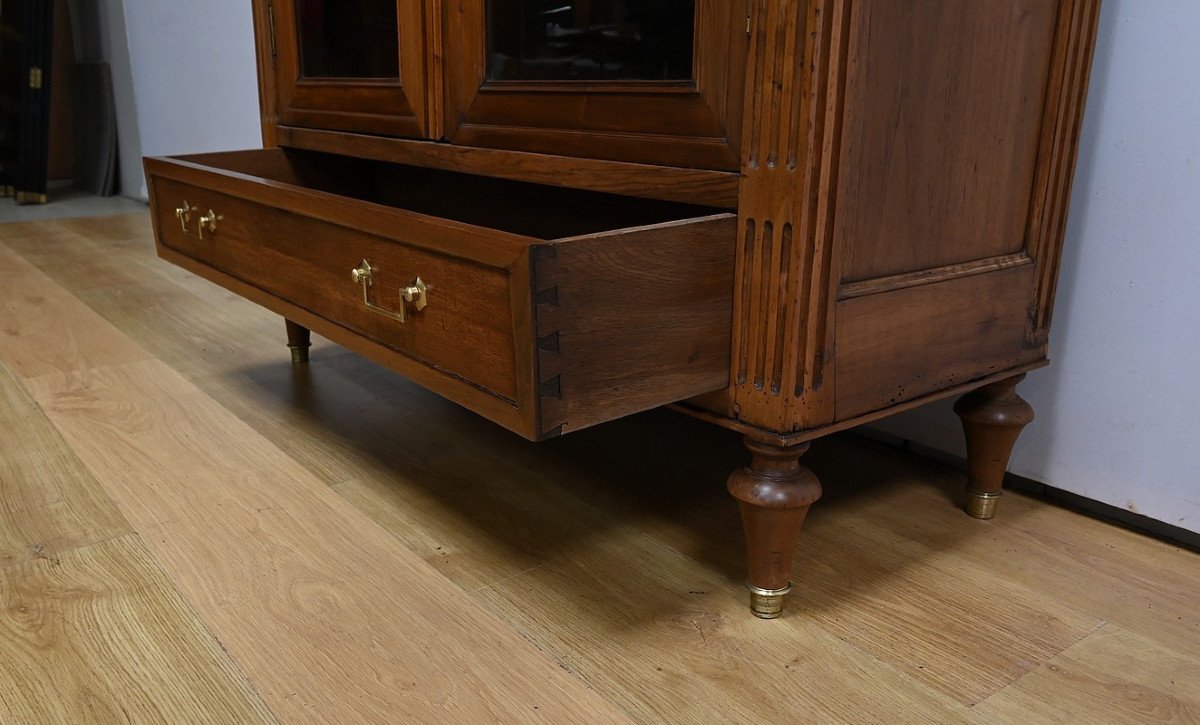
(436, 234)
(264, 52)
(1062, 124)
(892, 146)
(632, 310)
(49, 503)
(993, 417)
(1114, 676)
(308, 263)
(882, 146)
(933, 275)
(774, 493)
(900, 345)
(633, 320)
(46, 329)
(691, 186)
(783, 331)
(983, 636)
(764, 435)
(287, 561)
(397, 107)
(672, 643)
(866, 570)
(943, 117)
(99, 634)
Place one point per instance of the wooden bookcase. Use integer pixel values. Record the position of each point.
(786, 217)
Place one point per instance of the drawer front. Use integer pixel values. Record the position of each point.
(466, 330)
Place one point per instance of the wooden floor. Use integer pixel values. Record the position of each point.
(193, 531)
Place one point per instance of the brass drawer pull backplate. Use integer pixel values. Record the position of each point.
(416, 294)
(209, 222)
(184, 215)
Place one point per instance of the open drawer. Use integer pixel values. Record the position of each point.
(544, 309)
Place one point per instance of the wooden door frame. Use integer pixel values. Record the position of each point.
(393, 108)
(694, 124)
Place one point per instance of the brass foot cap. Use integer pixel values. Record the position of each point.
(299, 354)
(767, 603)
(982, 505)
(25, 198)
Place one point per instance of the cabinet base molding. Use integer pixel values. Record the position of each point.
(777, 438)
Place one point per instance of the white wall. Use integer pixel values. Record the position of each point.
(194, 79)
(1118, 411)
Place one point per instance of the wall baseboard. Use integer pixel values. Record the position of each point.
(1090, 507)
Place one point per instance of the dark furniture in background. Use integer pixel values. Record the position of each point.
(26, 37)
(786, 217)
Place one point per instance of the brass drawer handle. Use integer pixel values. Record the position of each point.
(209, 221)
(416, 294)
(184, 215)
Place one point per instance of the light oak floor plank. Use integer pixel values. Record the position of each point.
(99, 635)
(480, 669)
(44, 329)
(235, 352)
(1112, 676)
(330, 618)
(672, 642)
(49, 502)
(1112, 574)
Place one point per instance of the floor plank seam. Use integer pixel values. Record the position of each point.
(203, 622)
(1033, 671)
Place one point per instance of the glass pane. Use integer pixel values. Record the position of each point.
(348, 38)
(591, 40)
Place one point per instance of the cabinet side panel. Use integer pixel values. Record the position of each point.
(943, 118)
(900, 345)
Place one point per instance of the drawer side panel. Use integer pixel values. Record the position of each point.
(632, 320)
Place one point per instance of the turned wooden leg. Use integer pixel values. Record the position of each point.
(299, 340)
(774, 493)
(992, 418)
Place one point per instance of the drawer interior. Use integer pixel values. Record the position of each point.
(531, 210)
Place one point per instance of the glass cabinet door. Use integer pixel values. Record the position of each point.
(355, 65)
(655, 81)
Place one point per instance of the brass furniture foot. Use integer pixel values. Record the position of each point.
(774, 493)
(25, 198)
(299, 340)
(982, 505)
(992, 417)
(767, 603)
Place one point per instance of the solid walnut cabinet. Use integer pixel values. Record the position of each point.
(786, 217)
